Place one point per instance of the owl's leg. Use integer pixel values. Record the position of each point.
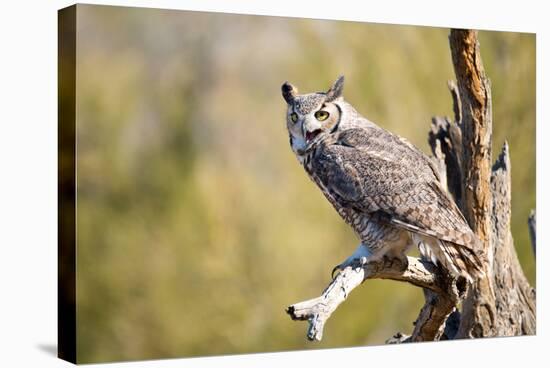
(396, 258)
(395, 249)
(359, 258)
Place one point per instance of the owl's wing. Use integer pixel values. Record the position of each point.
(374, 171)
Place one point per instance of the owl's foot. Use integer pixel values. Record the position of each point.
(363, 256)
(401, 261)
(355, 263)
(358, 259)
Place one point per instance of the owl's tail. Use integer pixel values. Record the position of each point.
(463, 260)
(458, 259)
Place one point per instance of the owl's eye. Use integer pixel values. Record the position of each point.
(321, 115)
(294, 117)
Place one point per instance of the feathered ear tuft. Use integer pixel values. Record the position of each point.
(289, 92)
(336, 90)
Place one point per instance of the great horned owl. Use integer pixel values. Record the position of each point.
(386, 189)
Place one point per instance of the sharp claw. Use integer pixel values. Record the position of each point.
(337, 267)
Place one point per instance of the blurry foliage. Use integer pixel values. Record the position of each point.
(196, 224)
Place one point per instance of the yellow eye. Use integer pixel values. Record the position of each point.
(294, 117)
(321, 115)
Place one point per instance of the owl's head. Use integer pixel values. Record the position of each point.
(311, 116)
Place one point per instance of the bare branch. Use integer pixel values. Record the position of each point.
(416, 271)
(430, 323)
(316, 311)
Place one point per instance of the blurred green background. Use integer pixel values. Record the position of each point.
(196, 224)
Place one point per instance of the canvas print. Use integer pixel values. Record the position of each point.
(234, 184)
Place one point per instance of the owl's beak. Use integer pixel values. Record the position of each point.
(312, 135)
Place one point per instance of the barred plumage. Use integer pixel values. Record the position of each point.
(386, 189)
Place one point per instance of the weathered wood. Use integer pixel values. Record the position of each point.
(445, 139)
(502, 302)
(316, 311)
(417, 272)
(476, 128)
(474, 104)
(515, 299)
(430, 323)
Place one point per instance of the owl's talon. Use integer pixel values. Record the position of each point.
(354, 263)
(357, 260)
(404, 264)
(337, 267)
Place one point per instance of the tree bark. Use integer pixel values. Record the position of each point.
(502, 303)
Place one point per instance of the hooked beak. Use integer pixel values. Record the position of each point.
(310, 136)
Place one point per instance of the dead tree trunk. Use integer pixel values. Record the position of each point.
(503, 302)
(500, 304)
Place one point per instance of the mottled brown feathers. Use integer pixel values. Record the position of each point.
(370, 170)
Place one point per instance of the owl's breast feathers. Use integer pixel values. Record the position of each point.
(372, 171)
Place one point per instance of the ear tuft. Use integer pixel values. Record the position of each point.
(289, 92)
(336, 90)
